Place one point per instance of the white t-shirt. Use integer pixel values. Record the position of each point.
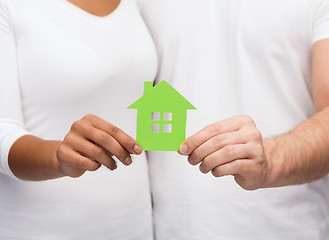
(233, 57)
(57, 64)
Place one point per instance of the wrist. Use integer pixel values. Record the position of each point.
(54, 163)
(275, 164)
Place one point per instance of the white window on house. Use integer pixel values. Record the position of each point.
(162, 122)
(167, 122)
(155, 128)
(167, 116)
(167, 128)
(156, 116)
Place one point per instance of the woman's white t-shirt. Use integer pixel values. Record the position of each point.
(233, 57)
(57, 64)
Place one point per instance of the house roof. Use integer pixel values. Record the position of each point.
(162, 95)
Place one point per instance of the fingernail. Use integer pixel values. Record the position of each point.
(114, 167)
(190, 160)
(128, 160)
(202, 169)
(138, 149)
(183, 149)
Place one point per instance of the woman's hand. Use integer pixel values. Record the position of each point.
(230, 147)
(93, 142)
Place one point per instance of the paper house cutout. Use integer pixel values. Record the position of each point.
(161, 117)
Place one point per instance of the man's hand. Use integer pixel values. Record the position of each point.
(235, 146)
(230, 147)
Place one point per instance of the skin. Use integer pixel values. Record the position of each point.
(100, 8)
(90, 143)
(235, 146)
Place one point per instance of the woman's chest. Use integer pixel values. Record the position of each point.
(63, 53)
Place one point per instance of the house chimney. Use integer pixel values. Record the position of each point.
(148, 85)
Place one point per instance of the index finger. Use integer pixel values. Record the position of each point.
(126, 141)
(224, 126)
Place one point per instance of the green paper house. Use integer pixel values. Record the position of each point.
(161, 117)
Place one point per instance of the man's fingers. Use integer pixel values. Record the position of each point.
(230, 168)
(225, 155)
(225, 126)
(123, 138)
(216, 143)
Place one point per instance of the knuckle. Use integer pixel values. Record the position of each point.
(69, 138)
(230, 150)
(219, 141)
(76, 125)
(102, 138)
(95, 136)
(114, 130)
(256, 134)
(246, 119)
(88, 117)
(97, 152)
(216, 127)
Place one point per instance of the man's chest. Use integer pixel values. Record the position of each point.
(256, 23)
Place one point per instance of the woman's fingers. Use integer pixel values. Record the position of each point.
(104, 140)
(119, 135)
(92, 151)
(91, 142)
(73, 163)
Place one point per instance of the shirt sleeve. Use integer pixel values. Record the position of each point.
(11, 116)
(321, 21)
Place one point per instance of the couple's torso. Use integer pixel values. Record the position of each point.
(230, 46)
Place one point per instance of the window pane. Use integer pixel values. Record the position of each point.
(155, 128)
(168, 116)
(155, 116)
(167, 128)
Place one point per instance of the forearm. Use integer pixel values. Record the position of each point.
(300, 156)
(31, 158)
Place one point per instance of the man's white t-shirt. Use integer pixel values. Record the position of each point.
(234, 57)
(57, 64)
